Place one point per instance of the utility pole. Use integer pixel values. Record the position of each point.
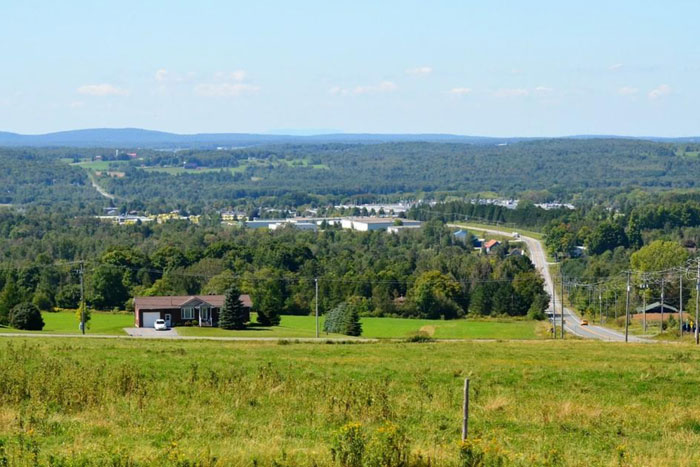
(662, 306)
(627, 309)
(697, 293)
(316, 287)
(600, 304)
(562, 304)
(554, 311)
(82, 299)
(644, 304)
(680, 309)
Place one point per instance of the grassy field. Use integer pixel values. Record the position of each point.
(65, 322)
(121, 402)
(305, 326)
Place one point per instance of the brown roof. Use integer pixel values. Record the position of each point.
(176, 301)
(491, 243)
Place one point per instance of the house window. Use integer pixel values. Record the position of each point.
(188, 313)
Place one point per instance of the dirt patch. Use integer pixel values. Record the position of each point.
(427, 329)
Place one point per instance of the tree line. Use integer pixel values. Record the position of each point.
(426, 273)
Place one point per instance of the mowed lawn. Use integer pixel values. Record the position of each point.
(305, 326)
(144, 402)
(65, 322)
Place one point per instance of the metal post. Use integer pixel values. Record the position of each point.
(627, 309)
(465, 408)
(82, 300)
(316, 287)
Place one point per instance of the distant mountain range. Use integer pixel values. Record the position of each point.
(135, 137)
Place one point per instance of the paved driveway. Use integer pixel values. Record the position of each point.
(150, 332)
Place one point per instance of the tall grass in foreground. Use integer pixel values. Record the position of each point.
(123, 403)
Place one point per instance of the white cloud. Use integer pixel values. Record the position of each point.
(511, 92)
(225, 89)
(615, 67)
(543, 90)
(460, 91)
(384, 86)
(627, 91)
(421, 70)
(338, 91)
(660, 91)
(238, 75)
(103, 89)
(161, 75)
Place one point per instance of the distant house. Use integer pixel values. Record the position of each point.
(461, 235)
(578, 251)
(516, 252)
(490, 245)
(177, 310)
(656, 308)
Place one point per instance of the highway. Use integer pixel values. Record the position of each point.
(572, 322)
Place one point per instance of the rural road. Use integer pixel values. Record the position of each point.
(572, 322)
(97, 187)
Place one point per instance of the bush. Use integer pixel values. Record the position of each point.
(537, 315)
(26, 316)
(42, 301)
(420, 336)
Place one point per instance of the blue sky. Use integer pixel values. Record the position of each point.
(535, 68)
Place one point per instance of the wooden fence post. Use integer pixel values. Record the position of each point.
(465, 416)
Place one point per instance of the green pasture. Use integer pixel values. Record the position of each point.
(69, 401)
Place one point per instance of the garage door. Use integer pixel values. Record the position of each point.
(149, 319)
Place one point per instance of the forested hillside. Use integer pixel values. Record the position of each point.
(33, 177)
(559, 167)
(315, 174)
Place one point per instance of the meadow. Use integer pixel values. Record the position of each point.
(72, 401)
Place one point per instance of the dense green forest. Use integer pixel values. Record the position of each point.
(35, 177)
(423, 273)
(318, 174)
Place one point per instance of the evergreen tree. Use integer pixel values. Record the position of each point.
(344, 319)
(233, 313)
(352, 325)
(9, 297)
